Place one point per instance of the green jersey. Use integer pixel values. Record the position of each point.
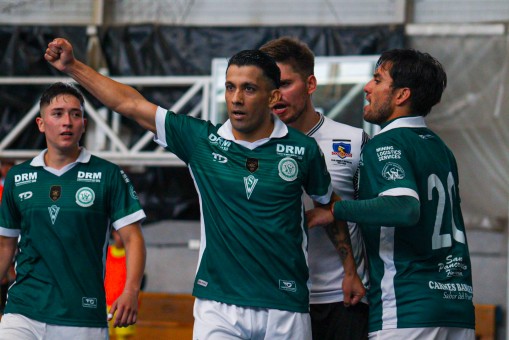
(63, 218)
(254, 236)
(420, 275)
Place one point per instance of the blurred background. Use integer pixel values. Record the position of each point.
(175, 51)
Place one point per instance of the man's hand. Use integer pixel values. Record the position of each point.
(353, 289)
(125, 309)
(60, 55)
(319, 216)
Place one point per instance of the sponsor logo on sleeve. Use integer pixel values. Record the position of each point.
(387, 152)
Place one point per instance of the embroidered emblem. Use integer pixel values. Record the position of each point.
(55, 192)
(250, 183)
(53, 213)
(342, 148)
(288, 169)
(393, 171)
(85, 197)
(252, 164)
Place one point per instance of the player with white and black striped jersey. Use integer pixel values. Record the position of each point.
(335, 289)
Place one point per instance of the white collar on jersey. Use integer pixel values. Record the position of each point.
(84, 157)
(405, 122)
(280, 130)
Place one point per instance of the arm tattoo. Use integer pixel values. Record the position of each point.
(340, 236)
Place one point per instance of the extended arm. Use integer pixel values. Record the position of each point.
(7, 250)
(126, 306)
(116, 96)
(394, 211)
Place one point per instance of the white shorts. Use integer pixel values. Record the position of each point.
(220, 321)
(19, 327)
(431, 333)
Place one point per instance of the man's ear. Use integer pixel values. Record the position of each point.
(275, 96)
(40, 123)
(403, 96)
(311, 84)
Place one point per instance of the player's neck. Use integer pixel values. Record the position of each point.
(57, 159)
(307, 120)
(261, 132)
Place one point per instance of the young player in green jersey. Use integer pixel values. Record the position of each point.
(250, 172)
(409, 208)
(58, 209)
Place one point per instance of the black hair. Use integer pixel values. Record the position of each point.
(57, 89)
(261, 60)
(420, 72)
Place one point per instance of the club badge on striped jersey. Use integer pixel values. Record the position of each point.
(252, 164)
(85, 197)
(342, 148)
(250, 183)
(55, 192)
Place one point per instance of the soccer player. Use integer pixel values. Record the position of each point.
(335, 313)
(61, 205)
(250, 173)
(409, 208)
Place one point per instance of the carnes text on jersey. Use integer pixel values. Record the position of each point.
(387, 152)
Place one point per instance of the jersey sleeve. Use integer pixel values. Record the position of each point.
(318, 182)
(178, 133)
(10, 219)
(125, 206)
(388, 166)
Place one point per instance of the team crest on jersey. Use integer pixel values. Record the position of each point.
(219, 141)
(250, 183)
(53, 213)
(288, 169)
(342, 148)
(393, 171)
(55, 192)
(252, 164)
(85, 197)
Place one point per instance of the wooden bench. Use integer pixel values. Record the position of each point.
(485, 322)
(165, 316)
